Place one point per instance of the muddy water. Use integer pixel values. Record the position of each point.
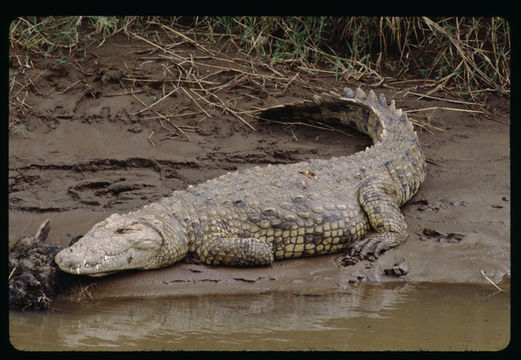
(390, 317)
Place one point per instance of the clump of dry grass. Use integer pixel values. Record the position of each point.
(466, 57)
(470, 54)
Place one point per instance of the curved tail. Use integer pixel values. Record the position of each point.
(396, 144)
(368, 114)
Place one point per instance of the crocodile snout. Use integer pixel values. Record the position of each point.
(65, 259)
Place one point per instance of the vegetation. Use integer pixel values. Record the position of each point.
(468, 57)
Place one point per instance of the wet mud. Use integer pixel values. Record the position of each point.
(89, 150)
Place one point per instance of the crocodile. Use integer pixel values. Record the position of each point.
(254, 216)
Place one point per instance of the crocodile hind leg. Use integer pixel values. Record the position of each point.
(379, 199)
(235, 252)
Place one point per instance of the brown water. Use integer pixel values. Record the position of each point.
(390, 317)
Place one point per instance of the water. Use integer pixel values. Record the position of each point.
(390, 317)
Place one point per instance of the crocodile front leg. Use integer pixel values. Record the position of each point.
(235, 252)
(380, 201)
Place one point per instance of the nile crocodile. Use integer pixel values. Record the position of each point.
(255, 216)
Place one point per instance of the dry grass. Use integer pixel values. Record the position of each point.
(459, 58)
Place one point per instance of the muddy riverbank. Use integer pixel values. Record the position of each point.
(89, 150)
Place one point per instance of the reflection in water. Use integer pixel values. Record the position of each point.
(403, 316)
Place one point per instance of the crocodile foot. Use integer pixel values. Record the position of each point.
(373, 245)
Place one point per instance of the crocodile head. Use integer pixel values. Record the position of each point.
(123, 242)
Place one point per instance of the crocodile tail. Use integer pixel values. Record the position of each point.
(367, 113)
(304, 110)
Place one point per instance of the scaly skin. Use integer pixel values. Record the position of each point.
(254, 216)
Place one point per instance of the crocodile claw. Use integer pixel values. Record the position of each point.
(371, 246)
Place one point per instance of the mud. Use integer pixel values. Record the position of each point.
(90, 150)
(34, 280)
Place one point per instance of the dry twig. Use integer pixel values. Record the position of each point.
(490, 281)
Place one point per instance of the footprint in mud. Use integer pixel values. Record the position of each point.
(437, 205)
(105, 183)
(440, 237)
(106, 193)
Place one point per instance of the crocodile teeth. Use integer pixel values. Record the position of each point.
(372, 96)
(398, 112)
(360, 94)
(349, 93)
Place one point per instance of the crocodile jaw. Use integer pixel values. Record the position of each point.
(118, 243)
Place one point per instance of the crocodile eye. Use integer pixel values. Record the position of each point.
(127, 227)
(122, 230)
